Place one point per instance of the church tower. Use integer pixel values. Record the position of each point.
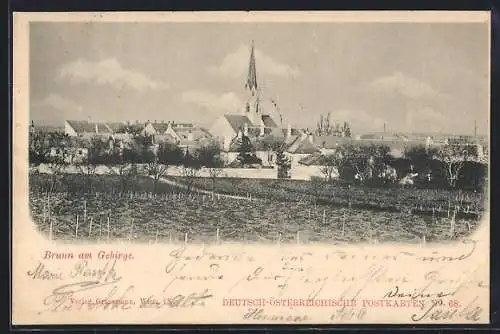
(252, 105)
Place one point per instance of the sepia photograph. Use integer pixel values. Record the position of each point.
(258, 133)
(251, 168)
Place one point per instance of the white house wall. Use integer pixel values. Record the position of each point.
(68, 129)
(223, 131)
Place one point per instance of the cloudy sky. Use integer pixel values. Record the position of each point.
(418, 77)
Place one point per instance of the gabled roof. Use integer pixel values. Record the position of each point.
(90, 127)
(117, 127)
(331, 142)
(103, 128)
(160, 127)
(302, 146)
(237, 121)
(315, 159)
(268, 121)
(82, 126)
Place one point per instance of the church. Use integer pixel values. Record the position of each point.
(252, 120)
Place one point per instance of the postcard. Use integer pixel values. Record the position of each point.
(251, 168)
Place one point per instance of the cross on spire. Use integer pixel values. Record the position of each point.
(252, 72)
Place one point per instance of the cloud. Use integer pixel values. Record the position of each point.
(235, 65)
(228, 102)
(107, 72)
(403, 85)
(57, 102)
(358, 119)
(426, 118)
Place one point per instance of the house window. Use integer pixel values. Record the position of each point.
(58, 151)
(80, 152)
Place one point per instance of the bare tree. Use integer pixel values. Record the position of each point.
(324, 126)
(453, 156)
(156, 171)
(190, 174)
(96, 155)
(329, 165)
(214, 173)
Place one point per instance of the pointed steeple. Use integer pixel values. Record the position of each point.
(252, 72)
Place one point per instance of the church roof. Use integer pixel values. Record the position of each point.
(252, 72)
(237, 121)
(268, 121)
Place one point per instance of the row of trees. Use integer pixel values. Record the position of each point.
(453, 166)
(327, 127)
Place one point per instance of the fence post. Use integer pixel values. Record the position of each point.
(90, 227)
(131, 231)
(84, 211)
(51, 228)
(343, 224)
(76, 228)
(108, 228)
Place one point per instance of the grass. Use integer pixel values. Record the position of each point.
(394, 199)
(171, 215)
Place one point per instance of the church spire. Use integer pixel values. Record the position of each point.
(252, 72)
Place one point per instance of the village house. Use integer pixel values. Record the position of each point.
(86, 128)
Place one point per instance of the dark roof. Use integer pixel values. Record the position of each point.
(160, 127)
(330, 142)
(237, 121)
(90, 127)
(268, 121)
(82, 126)
(302, 146)
(103, 128)
(117, 127)
(315, 159)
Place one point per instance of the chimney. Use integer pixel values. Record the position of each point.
(245, 129)
(288, 131)
(262, 128)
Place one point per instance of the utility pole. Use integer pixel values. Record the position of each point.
(475, 128)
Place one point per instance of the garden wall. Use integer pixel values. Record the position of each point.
(297, 172)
